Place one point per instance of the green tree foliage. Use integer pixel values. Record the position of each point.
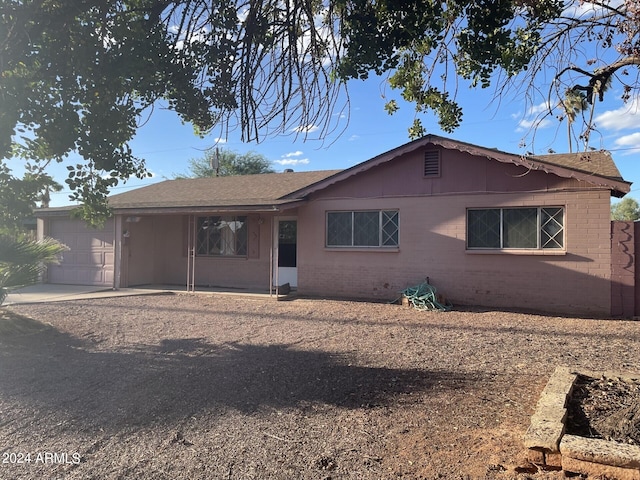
(19, 196)
(626, 209)
(223, 163)
(429, 50)
(82, 76)
(22, 261)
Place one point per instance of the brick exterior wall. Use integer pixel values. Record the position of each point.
(433, 244)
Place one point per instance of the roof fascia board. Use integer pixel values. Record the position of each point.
(275, 208)
(192, 210)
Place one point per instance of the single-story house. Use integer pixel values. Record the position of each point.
(487, 227)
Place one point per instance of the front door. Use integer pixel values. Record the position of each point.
(287, 253)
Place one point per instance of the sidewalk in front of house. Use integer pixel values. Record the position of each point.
(44, 292)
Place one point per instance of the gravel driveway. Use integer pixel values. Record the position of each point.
(219, 387)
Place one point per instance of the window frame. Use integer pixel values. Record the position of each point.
(381, 229)
(540, 230)
(207, 251)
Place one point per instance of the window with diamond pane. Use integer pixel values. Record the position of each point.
(483, 228)
(520, 228)
(525, 228)
(390, 228)
(339, 229)
(552, 228)
(222, 235)
(362, 229)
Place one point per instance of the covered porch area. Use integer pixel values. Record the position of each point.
(223, 251)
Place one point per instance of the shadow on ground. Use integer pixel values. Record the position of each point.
(56, 374)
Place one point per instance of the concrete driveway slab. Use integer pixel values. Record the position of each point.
(44, 293)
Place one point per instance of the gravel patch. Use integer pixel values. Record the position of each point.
(201, 387)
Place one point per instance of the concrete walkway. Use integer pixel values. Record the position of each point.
(43, 293)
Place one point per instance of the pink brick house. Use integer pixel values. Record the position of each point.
(487, 227)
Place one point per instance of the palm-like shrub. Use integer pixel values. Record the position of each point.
(22, 261)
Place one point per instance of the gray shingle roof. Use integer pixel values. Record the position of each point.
(262, 190)
(594, 163)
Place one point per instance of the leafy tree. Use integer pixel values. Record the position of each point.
(577, 48)
(228, 163)
(626, 209)
(18, 197)
(22, 261)
(81, 76)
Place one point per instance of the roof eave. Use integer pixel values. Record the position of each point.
(182, 210)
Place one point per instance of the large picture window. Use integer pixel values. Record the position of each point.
(370, 228)
(523, 228)
(222, 235)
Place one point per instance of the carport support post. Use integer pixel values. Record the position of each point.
(40, 226)
(40, 234)
(117, 254)
(192, 235)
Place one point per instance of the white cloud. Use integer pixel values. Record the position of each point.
(305, 128)
(536, 109)
(220, 140)
(627, 116)
(292, 154)
(527, 124)
(292, 161)
(629, 143)
(535, 117)
(589, 9)
(353, 138)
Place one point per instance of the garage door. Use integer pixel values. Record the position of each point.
(89, 260)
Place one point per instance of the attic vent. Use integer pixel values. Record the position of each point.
(432, 163)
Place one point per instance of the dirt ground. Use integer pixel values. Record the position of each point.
(220, 387)
(606, 407)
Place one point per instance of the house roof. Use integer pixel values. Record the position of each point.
(272, 190)
(241, 192)
(596, 168)
(597, 163)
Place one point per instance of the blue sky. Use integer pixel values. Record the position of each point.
(166, 144)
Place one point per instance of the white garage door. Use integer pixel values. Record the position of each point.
(89, 260)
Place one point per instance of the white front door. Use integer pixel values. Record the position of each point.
(286, 233)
